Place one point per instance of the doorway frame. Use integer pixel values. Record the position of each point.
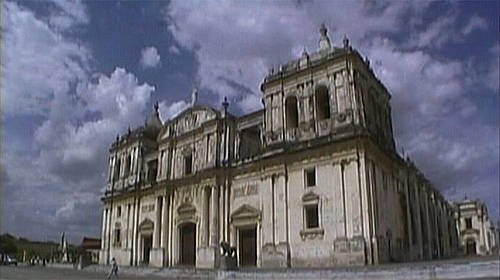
(180, 242)
(146, 227)
(186, 213)
(239, 241)
(246, 217)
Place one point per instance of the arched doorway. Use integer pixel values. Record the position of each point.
(187, 248)
(146, 228)
(470, 247)
(147, 243)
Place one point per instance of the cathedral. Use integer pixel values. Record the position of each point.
(311, 180)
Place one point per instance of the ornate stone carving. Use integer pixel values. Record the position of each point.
(245, 215)
(246, 190)
(312, 233)
(146, 226)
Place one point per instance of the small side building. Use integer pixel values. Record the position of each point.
(91, 247)
(477, 234)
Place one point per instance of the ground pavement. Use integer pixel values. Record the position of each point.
(475, 268)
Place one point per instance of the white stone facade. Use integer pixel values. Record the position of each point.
(312, 180)
(477, 234)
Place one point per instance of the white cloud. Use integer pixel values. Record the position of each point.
(68, 172)
(68, 14)
(491, 77)
(169, 111)
(437, 33)
(38, 63)
(150, 57)
(475, 23)
(445, 29)
(236, 43)
(119, 101)
(46, 78)
(174, 50)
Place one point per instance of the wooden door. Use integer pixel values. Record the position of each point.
(188, 244)
(248, 247)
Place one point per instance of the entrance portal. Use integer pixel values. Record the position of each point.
(248, 247)
(188, 244)
(470, 248)
(147, 243)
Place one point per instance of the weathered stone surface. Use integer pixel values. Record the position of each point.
(317, 183)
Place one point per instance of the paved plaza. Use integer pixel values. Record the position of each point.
(477, 268)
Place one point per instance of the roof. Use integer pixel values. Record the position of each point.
(91, 243)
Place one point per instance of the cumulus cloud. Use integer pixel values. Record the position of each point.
(38, 64)
(74, 115)
(241, 42)
(475, 22)
(174, 49)
(119, 101)
(169, 111)
(444, 29)
(68, 14)
(150, 57)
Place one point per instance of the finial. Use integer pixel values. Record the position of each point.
(225, 104)
(156, 106)
(194, 96)
(324, 41)
(304, 52)
(346, 42)
(323, 30)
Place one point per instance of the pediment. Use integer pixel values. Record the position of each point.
(309, 197)
(246, 212)
(186, 209)
(146, 224)
(191, 118)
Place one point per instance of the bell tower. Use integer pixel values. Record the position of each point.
(325, 93)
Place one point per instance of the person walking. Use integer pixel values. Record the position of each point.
(114, 269)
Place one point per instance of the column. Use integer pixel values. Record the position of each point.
(157, 226)
(103, 233)
(164, 222)
(280, 209)
(204, 219)
(214, 214)
(227, 209)
(220, 214)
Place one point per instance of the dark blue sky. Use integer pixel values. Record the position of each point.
(75, 74)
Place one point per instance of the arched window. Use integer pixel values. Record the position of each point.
(117, 169)
(128, 164)
(292, 113)
(322, 103)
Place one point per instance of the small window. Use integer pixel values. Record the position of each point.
(310, 175)
(119, 211)
(312, 219)
(188, 164)
(468, 223)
